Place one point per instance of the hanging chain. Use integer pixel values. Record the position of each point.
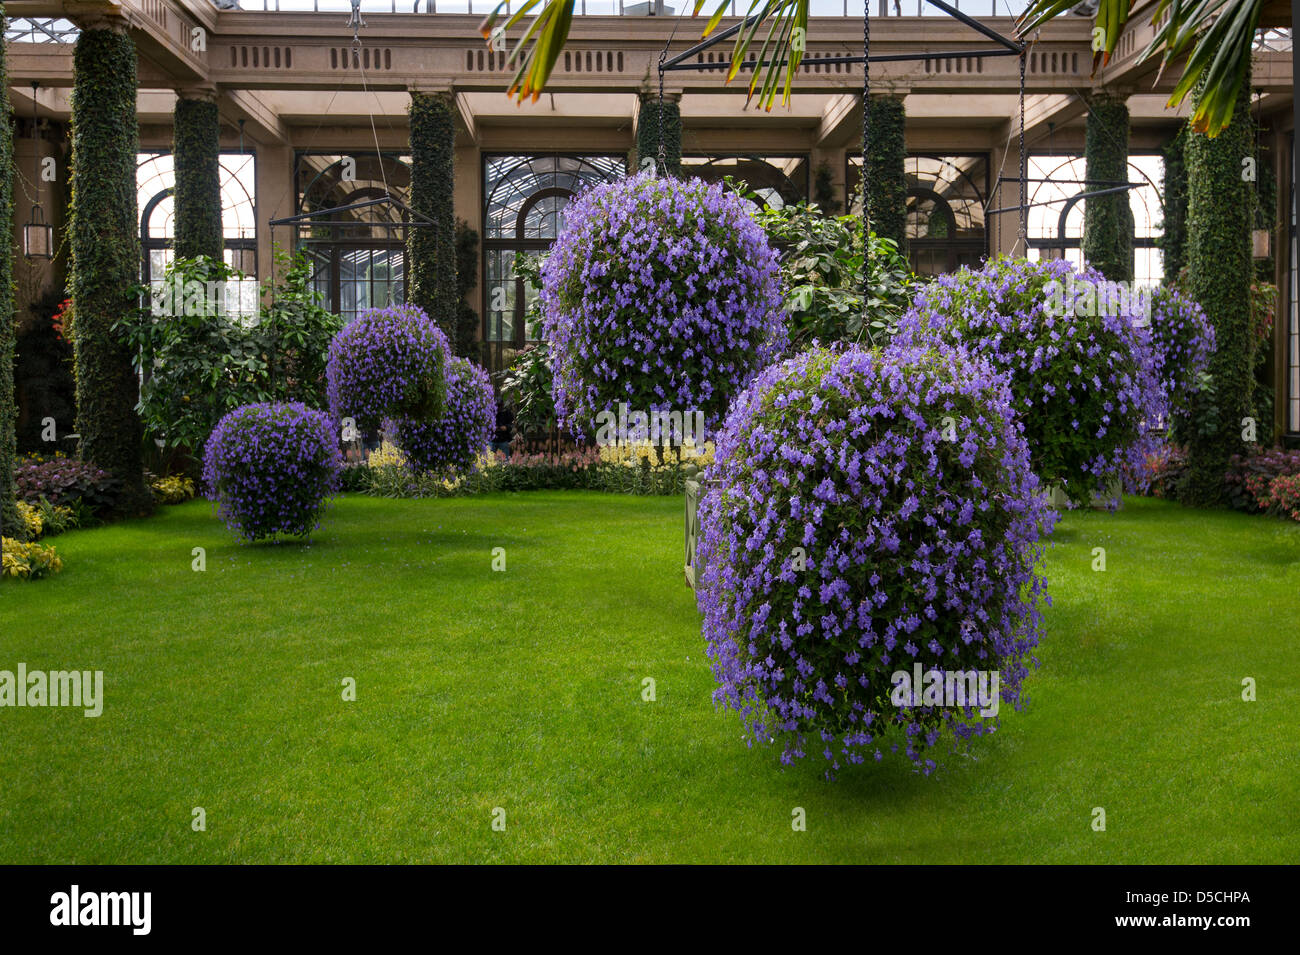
(1023, 240)
(661, 167)
(862, 179)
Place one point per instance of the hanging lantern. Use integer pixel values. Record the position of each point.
(1259, 242)
(38, 235)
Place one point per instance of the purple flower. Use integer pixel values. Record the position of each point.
(387, 362)
(270, 468)
(947, 534)
(453, 440)
(1070, 364)
(661, 293)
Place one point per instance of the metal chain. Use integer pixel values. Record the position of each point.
(1024, 165)
(862, 179)
(661, 167)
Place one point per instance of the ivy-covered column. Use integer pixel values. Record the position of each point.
(104, 234)
(1108, 220)
(196, 149)
(8, 413)
(431, 250)
(885, 172)
(1219, 268)
(1173, 241)
(650, 120)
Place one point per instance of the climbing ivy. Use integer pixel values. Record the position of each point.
(1108, 220)
(886, 175)
(431, 250)
(1173, 242)
(649, 120)
(465, 343)
(1219, 217)
(9, 521)
(104, 236)
(196, 150)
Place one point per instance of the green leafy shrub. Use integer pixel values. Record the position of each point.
(198, 361)
(44, 519)
(174, 489)
(1281, 496)
(526, 388)
(821, 275)
(300, 329)
(1249, 476)
(68, 482)
(29, 561)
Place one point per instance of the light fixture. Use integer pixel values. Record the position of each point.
(1259, 243)
(38, 235)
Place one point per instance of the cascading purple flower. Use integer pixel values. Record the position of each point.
(270, 468)
(387, 362)
(452, 441)
(869, 511)
(1182, 340)
(1081, 371)
(661, 293)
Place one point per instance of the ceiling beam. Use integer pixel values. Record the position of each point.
(841, 116)
(260, 118)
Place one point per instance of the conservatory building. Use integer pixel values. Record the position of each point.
(314, 105)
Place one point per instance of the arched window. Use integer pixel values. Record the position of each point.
(778, 180)
(945, 209)
(155, 178)
(524, 199)
(1056, 230)
(359, 255)
(945, 212)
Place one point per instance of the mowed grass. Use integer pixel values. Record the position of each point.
(522, 690)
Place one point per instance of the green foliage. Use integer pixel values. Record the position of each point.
(465, 342)
(298, 329)
(198, 361)
(1108, 220)
(104, 237)
(28, 561)
(821, 274)
(824, 189)
(431, 250)
(885, 172)
(1219, 216)
(9, 520)
(45, 519)
(526, 388)
(566, 470)
(43, 376)
(781, 52)
(174, 489)
(202, 360)
(1173, 241)
(196, 149)
(1216, 38)
(649, 121)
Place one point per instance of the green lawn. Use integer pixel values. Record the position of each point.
(522, 690)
